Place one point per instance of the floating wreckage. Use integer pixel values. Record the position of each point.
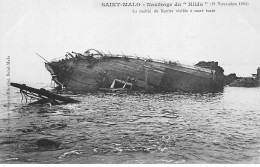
(43, 96)
(95, 70)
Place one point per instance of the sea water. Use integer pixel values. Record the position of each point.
(134, 128)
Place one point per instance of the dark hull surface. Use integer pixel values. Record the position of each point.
(89, 74)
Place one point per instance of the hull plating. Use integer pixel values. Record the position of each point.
(89, 74)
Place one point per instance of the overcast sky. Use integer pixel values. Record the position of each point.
(230, 36)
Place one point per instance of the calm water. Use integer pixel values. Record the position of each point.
(135, 128)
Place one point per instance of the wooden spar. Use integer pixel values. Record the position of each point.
(42, 93)
(42, 58)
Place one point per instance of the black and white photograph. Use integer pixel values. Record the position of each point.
(129, 82)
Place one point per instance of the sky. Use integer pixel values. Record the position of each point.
(51, 28)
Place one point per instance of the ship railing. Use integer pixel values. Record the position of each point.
(57, 59)
(60, 58)
(197, 68)
(164, 61)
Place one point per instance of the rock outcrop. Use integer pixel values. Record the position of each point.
(245, 82)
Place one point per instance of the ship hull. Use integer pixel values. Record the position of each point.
(91, 74)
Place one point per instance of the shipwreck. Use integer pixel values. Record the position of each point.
(42, 96)
(94, 71)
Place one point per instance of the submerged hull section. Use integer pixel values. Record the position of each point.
(91, 73)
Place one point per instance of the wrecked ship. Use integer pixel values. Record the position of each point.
(94, 70)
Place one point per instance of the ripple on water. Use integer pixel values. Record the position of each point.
(138, 128)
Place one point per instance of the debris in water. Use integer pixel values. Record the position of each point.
(43, 96)
(46, 143)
